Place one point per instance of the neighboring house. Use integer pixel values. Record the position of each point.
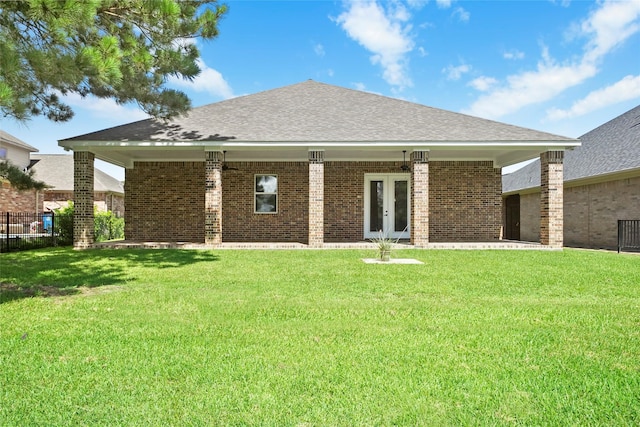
(17, 152)
(56, 170)
(601, 186)
(314, 163)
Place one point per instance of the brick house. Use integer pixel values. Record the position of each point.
(56, 170)
(17, 152)
(601, 186)
(315, 163)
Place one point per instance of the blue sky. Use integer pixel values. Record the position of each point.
(560, 66)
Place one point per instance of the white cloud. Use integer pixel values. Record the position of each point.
(610, 26)
(444, 4)
(513, 54)
(384, 33)
(417, 4)
(623, 90)
(462, 14)
(209, 80)
(483, 83)
(531, 87)
(104, 108)
(360, 86)
(422, 52)
(605, 28)
(319, 50)
(455, 73)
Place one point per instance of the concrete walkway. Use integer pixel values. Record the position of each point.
(499, 245)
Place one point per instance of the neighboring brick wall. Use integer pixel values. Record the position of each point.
(591, 212)
(165, 201)
(530, 217)
(465, 202)
(344, 198)
(101, 200)
(58, 199)
(114, 203)
(12, 200)
(241, 224)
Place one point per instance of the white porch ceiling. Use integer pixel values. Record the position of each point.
(501, 153)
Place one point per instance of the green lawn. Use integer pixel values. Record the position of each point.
(318, 338)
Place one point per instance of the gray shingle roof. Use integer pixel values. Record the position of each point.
(611, 148)
(10, 139)
(312, 111)
(56, 170)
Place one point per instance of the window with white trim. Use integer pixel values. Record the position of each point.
(266, 193)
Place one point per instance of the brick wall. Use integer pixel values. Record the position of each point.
(592, 212)
(551, 198)
(83, 179)
(114, 203)
(530, 217)
(420, 198)
(465, 202)
(165, 201)
(316, 198)
(344, 198)
(12, 200)
(103, 201)
(241, 224)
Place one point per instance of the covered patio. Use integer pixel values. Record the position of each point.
(316, 166)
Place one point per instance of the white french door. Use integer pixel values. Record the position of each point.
(387, 205)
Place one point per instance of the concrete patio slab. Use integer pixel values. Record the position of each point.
(391, 261)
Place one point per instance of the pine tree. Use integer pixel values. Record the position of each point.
(19, 180)
(120, 49)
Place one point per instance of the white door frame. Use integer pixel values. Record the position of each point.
(388, 180)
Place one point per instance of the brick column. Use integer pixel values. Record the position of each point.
(551, 198)
(213, 199)
(420, 198)
(316, 199)
(83, 231)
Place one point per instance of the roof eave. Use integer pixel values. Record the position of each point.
(78, 145)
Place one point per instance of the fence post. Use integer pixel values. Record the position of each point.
(53, 227)
(7, 233)
(619, 234)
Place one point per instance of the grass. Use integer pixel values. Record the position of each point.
(315, 338)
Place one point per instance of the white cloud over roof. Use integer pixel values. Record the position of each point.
(209, 80)
(383, 32)
(606, 28)
(622, 90)
(105, 108)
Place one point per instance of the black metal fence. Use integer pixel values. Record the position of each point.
(22, 230)
(628, 234)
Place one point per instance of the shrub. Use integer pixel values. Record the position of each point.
(106, 225)
(63, 225)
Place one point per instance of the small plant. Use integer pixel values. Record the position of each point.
(384, 243)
